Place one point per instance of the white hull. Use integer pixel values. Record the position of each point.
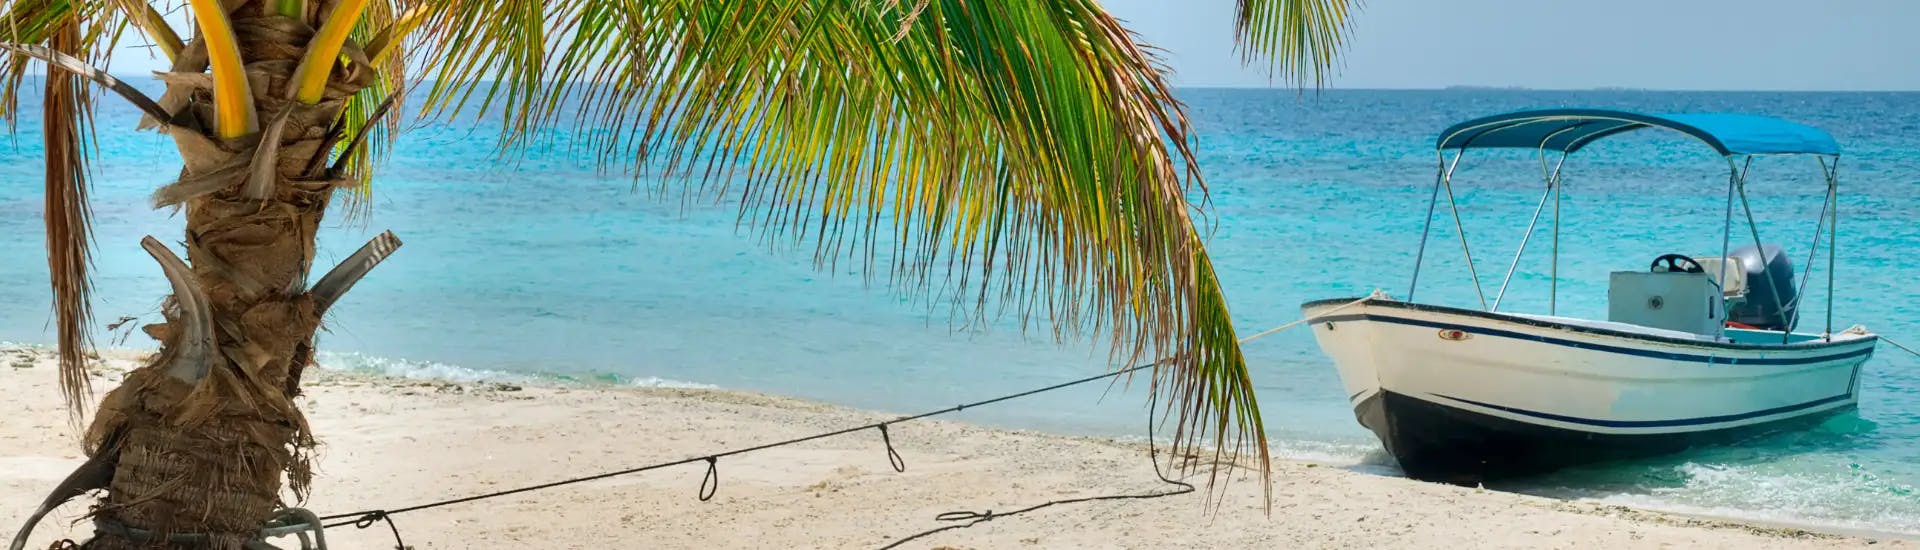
(1523, 378)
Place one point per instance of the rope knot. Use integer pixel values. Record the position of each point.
(368, 519)
(710, 484)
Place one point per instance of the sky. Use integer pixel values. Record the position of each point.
(1560, 44)
(1554, 44)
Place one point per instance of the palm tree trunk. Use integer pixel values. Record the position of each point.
(206, 457)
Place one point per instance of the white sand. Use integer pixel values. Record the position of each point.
(392, 443)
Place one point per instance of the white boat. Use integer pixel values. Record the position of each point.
(1694, 351)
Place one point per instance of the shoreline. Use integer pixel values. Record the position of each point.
(391, 442)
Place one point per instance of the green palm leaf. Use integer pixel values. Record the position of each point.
(1299, 38)
(1021, 156)
(1012, 157)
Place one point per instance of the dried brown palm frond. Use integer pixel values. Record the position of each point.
(75, 32)
(65, 111)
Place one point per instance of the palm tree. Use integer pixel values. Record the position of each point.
(1029, 153)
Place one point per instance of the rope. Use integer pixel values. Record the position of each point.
(973, 518)
(1899, 345)
(1861, 329)
(710, 483)
(364, 519)
(1377, 295)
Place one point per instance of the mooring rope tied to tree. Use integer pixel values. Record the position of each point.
(710, 482)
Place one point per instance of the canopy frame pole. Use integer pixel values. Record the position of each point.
(1420, 254)
(1833, 233)
(1806, 274)
(1552, 179)
(1786, 332)
(1553, 273)
(1726, 236)
(1446, 182)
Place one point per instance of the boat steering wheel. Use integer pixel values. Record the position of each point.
(1677, 263)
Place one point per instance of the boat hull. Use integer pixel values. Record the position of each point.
(1464, 396)
(1435, 442)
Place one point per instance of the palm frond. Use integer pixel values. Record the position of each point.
(65, 32)
(392, 28)
(73, 65)
(364, 121)
(151, 23)
(233, 114)
(1300, 38)
(65, 113)
(1019, 156)
(310, 76)
(26, 22)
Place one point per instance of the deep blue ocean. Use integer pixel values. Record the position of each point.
(540, 266)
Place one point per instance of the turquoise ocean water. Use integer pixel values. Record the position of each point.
(546, 268)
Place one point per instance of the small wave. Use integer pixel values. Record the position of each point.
(657, 382)
(1365, 458)
(1360, 457)
(1328, 452)
(410, 368)
(1854, 501)
(434, 370)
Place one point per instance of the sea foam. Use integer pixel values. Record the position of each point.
(435, 370)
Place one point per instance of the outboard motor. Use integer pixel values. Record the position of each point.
(1770, 300)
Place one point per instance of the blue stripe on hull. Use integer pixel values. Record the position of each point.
(1683, 422)
(1709, 359)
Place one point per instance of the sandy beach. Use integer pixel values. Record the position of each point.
(391, 443)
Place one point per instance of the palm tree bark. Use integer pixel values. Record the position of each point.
(201, 461)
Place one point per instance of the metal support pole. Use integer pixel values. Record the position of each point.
(1420, 254)
(1800, 294)
(1551, 177)
(1726, 232)
(1833, 234)
(1553, 287)
(1446, 181)
(1787, 330)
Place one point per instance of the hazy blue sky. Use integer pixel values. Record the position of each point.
(1668, 44)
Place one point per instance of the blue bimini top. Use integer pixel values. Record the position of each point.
(1567, 130)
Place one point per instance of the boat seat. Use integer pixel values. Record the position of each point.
(1735, 287)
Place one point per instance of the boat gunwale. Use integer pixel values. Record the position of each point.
(1816, 344)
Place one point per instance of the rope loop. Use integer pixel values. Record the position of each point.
(710, 484)
(893, 457)
(964, 515)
